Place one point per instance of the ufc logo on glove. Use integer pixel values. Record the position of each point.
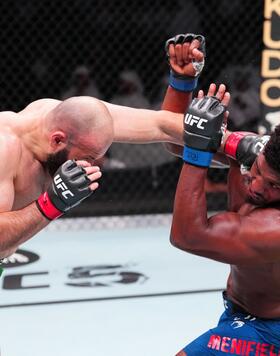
(198, 121)
(61, 185)
(260, 145)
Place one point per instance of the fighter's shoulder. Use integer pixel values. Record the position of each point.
(262, 227)
(41, 104)
(265, 216)
(10, 150)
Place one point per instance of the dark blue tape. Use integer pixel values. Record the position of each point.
(197, 157)
(182, 84)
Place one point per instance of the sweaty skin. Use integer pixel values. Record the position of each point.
(246, 237)
(80, 128)
(256, 286)
(23, 168)
(23, 149)
(38, 139)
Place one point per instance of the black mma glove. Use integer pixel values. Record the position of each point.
(245, 147)
(183, 82)
(203, 130)
(69, 187)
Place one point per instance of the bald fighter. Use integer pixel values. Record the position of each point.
(36, 185)
(48, 150)
(247, 236)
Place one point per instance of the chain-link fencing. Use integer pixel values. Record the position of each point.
(115, 51)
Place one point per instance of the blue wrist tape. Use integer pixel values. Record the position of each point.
(182, 84)
(197, 157)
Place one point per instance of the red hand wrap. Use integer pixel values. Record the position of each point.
(47, 208)
(232, 142)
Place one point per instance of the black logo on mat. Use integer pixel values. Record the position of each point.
(20, 258)
(104, 276)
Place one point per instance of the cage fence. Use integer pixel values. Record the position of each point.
(115, 52)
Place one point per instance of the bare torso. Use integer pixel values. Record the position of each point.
(256, 288)
(30, 179)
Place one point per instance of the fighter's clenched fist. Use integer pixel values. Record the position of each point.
(72, 183)
(186, 53)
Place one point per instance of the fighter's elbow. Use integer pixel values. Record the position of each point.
(7, 253)
(7, 248)
(175, 242)
(181, 241)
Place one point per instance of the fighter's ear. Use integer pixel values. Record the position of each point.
(58, 140)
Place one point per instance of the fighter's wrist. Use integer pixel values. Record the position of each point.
(197, 157)
(182, 83)
(47, 208)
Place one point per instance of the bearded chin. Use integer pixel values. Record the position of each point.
(252, 201)
(54, 161)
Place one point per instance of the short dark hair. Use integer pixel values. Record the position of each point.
(272, 150)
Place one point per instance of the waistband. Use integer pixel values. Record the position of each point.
(233, 308)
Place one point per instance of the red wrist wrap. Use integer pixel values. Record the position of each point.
(47, 208)
(232, 142)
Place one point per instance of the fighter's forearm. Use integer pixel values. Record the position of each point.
(175, 101)
(190, 219)
(18, 226)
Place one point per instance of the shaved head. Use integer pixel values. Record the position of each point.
(86, 122)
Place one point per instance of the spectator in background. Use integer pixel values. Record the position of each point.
(39, 78)
(120, 155)
(268, 124)
(157, 102)
(81, 85)
(244, 108)
(130, 91)
(108, 163)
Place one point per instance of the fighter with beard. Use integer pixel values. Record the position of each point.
(40, 179)
(48, 150)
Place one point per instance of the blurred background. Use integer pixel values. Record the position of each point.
(115, 51)
(104, 279)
